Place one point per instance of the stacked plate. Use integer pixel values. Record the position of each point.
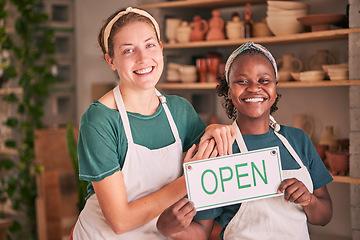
(282, 16)
(337, 71)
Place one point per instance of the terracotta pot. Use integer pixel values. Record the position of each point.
(338, 162)
(321, 150)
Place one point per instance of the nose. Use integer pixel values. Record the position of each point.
(253, 86)
(141, 56)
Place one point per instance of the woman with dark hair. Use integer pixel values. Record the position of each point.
(249, 90)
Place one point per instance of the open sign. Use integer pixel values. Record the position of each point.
(234, 178)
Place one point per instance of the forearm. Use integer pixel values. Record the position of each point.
(123, 216)
(319, 211)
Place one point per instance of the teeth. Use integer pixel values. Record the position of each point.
(144, 70)
(254, 100)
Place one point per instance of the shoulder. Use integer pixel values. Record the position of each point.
(292, 133)
(97, 112)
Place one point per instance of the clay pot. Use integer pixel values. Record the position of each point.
(199, 27)
(330, 139)
(338, 162)
(183, 32)
(321, 149)
(287, 64)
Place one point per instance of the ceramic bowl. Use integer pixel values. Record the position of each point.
(295, 76)
(321, 22)
(328, 66)
(294, 13)
(312, 75)
(284, 25)
(338, 162)
(287, 4)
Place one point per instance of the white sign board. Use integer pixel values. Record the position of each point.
(234, 178)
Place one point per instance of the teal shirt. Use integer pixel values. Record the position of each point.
(302, 145)
(102, 142)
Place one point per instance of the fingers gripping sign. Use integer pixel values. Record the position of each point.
(295, 191)
(177, 217)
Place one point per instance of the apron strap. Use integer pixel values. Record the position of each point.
(173, 127)
(124, 118)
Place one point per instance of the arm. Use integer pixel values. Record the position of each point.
(123, 216)
(317, 206)
(224, 136)
(177, 222)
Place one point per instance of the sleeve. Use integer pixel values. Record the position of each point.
(209, 214)
(97, 152)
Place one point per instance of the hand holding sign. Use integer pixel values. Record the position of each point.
(235, 178)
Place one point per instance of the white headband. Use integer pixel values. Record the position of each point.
(128, 10)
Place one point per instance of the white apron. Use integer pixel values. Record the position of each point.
(144, 172)
(271, 218)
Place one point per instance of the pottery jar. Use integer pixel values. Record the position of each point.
(287, 64)
(261, 29)
(171, 24)
(330, 139)
(183, 32)
(235, 28)
(199, 27)
(304, 123)
(322, 57)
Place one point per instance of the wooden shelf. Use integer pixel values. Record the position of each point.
(346, 179)
(199, 4)
(292, 38)
(290, 84)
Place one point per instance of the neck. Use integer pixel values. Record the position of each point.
(144, 102)
(253, 126)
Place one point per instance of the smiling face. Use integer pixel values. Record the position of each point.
(138, 56)
(252, 86)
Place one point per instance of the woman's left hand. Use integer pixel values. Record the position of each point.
(295, 191)
(224, 136)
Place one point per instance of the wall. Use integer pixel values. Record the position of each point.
(90, 64)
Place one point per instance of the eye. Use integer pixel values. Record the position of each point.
(128, 50)
(241, 81)
(150, 45)
(264, 81)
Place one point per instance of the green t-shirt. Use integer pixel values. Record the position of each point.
(102, 142)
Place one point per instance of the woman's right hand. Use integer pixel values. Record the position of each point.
(206, 149)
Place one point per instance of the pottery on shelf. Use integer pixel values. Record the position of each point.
(201, 65)
(304, 123)
(320, 58)
(216, 27)
(235, 28)
(171, 24)
(183, 32)
(321, 149)
(261, 29)
(329, 139)
(199, 27)
(321, 22)
(287, 64)
(338, 162)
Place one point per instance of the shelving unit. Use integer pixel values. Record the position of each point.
(293, 38)
(288, 84)
(199, 4)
